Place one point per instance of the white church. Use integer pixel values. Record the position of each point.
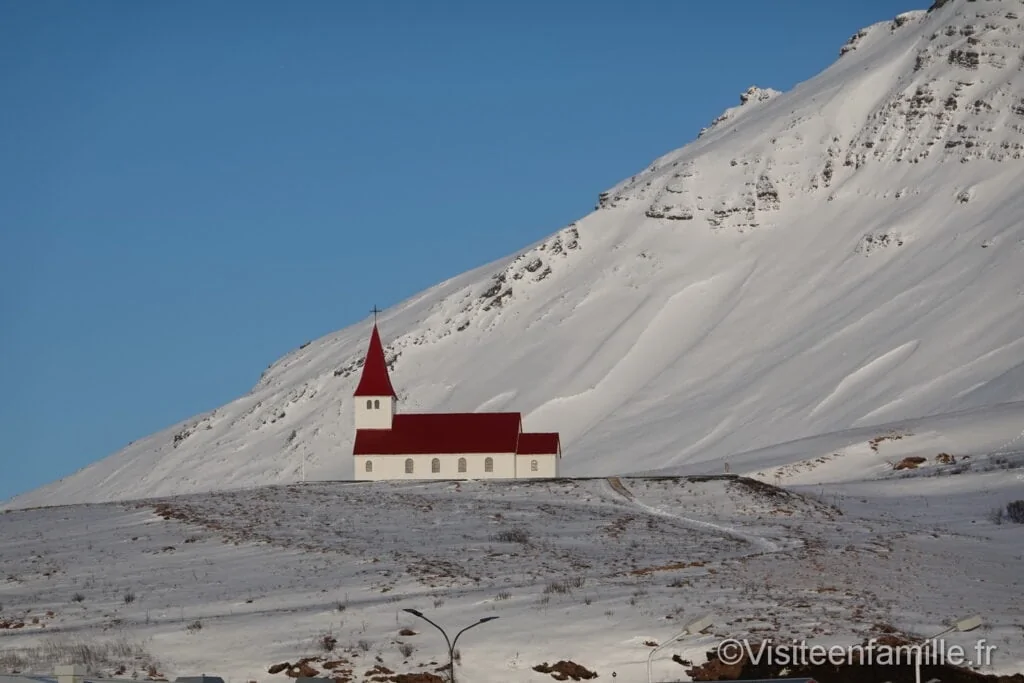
(393, 445)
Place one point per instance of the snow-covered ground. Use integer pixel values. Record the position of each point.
(845, 254)
(232, 583)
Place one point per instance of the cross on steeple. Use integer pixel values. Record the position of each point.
(375, 311)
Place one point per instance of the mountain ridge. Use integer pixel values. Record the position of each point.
(812, 262)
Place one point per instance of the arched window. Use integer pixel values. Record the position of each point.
(435, 465)
(369, 404)
(376, 403)
(488, 464)
(369, 466)
(462, 464)
(533, 465)
(408, 465)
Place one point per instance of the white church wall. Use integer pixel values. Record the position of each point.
(391, 467)
(547, 466)
(374, 412)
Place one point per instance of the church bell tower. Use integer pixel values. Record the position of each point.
(375, 399)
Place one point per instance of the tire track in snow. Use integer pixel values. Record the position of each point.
(768, 546)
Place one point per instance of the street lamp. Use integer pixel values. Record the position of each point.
(691, 629)
(451, 643)
(968, 624)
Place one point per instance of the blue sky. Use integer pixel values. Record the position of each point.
(192, 189)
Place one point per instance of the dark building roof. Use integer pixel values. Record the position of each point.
(375, 380)
(437, 433)
(538, 443)
(454, 433)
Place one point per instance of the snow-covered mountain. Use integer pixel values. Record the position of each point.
(845, 254)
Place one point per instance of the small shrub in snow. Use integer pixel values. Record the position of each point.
(517, 535)
(560, 587)
(406, 649)
(997, 515)
(195, 627)
(1015, 511)
(1012, 512)
(129, 597)
(503, 595)
(365, 645)
(78, 597)
(327, 642)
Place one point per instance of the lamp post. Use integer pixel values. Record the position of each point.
(452, 642)
(968, 624)
(691, 629)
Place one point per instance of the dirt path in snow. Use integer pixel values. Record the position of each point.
(766, 545)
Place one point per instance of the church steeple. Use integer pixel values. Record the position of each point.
(375, 398)
(375, 380)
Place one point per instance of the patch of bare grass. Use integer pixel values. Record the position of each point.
(98, 656)
(565, 586)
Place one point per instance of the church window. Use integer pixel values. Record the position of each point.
(369, 466)
(376, 403)
(435, 465)
(408, 465)
(462, 464)
(533, 465)
(488, 464)
(369, 404)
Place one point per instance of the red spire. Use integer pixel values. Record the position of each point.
(375, 380)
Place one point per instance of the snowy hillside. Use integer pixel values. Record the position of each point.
(846, 254)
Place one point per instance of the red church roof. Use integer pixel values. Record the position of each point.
(538, 443)
(375, 380)
(442, 433)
